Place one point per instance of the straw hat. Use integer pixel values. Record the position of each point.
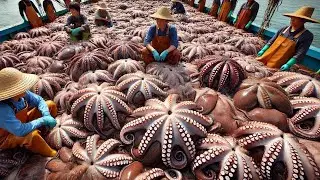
(14, 82)
(163, 13)
(304, 12)
(102, 6)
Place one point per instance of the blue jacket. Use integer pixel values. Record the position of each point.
(9, 122)
(177, 8)
(173, 35)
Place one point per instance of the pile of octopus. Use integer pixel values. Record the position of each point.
(23, 112)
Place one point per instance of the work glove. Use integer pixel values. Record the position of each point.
(234, 21)
(76, 31)
(163, 55)
(264, 49)
(318, 72)
(156, 55)
(288, 65)
(230, 13)
(248, 25)
(49, 121)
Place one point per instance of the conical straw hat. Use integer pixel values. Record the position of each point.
(304, 12)
(163, 13)
(14, 82)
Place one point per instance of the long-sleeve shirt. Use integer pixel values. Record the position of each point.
(46, 3)
(173, 35)
(303, 42)
(22, 7)
(233, 3)
(8, 120)
(254, 9)
(178, 8)
(97, 15)
(77, 21)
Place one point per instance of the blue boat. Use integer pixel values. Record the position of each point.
(311, 60)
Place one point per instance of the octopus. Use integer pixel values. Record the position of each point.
(138, 13)
(306, 120)
(21, 35)
(140, 32)
(8, 59)
(136, 171)
(67, 52)
(125, 50)
(247, 45)
(125, 66)
(41, 31)
(63, 97)
(223, 158)
(86, 61)
(101, 42)
(10, 160)
(91, 160)
(102, 109)
(221, 74)
(282, 156)
(57, 67)
(194, 50)
(140, 87)
(165, 131)
(56, 27)
(49, 48)
(49, 84)
(23, 46)
(218, 106)
(260, 93)
(25, 55)
(35, 65)
(65, 132)
(97, 76)
(253, 67)
(297, 84)
(173, 75)
(61, 36)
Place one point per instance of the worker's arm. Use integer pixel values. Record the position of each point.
(254, 11)
(174, 42)
(149, 37)
(37, 101)
(35, 8)
(233, 4)
(22, 8)
(9, 122)
(303, 44)
(235, 19)
(271, 41)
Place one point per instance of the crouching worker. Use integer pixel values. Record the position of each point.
(77, 25)
(22, 112)
(102, 16)
(161, 40)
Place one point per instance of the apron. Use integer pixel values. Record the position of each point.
(280, 51)
(191, 3)
(67, 2)
(51, 13)
(244, 17)
(202, 4)
(32, 16)
(161, 43)
(225, 9)
(214, 10)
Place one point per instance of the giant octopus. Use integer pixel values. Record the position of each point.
(223, 158)
(279, 154)
(11, 159)
(93, 159)
(125, 66)
(166, 131)
(297, 84)
(62, 98)
(102, 109)
(35, 65)
(141, 87)
(306, 120)
(8, 59)
(124, 50)
(221, 74)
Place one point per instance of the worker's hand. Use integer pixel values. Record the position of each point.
(156, 55)
(75, 31)
(49, 121)
(285, 67)
(264, 49)
(163, 55)
(230, 13)
(248, 25)
(234, 20)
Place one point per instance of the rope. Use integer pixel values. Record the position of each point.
(273, 5)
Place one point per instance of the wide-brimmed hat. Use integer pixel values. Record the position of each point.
(304, 12)
(102, 6)
(14, 82)
(163, 13)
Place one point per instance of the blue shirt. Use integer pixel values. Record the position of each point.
(173, 35)
(9, 122)
(177, 8)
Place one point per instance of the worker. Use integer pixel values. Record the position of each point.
(77, 24)
(67, 2)
(246, 15)
(223, 9)
(291, 43)
(177, 7)
(201, 5)
(50, 10)
(102, 16)
(31, 11)
(161, 40)
(22, 112)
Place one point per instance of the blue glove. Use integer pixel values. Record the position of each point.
(49, 121)
(163, 55)
(76, 31)
(288, 65)
(285, 67)
(264, 49)
(230, 13)
(156, 55)
(248, 25)
(235, 20)
(318, 72)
